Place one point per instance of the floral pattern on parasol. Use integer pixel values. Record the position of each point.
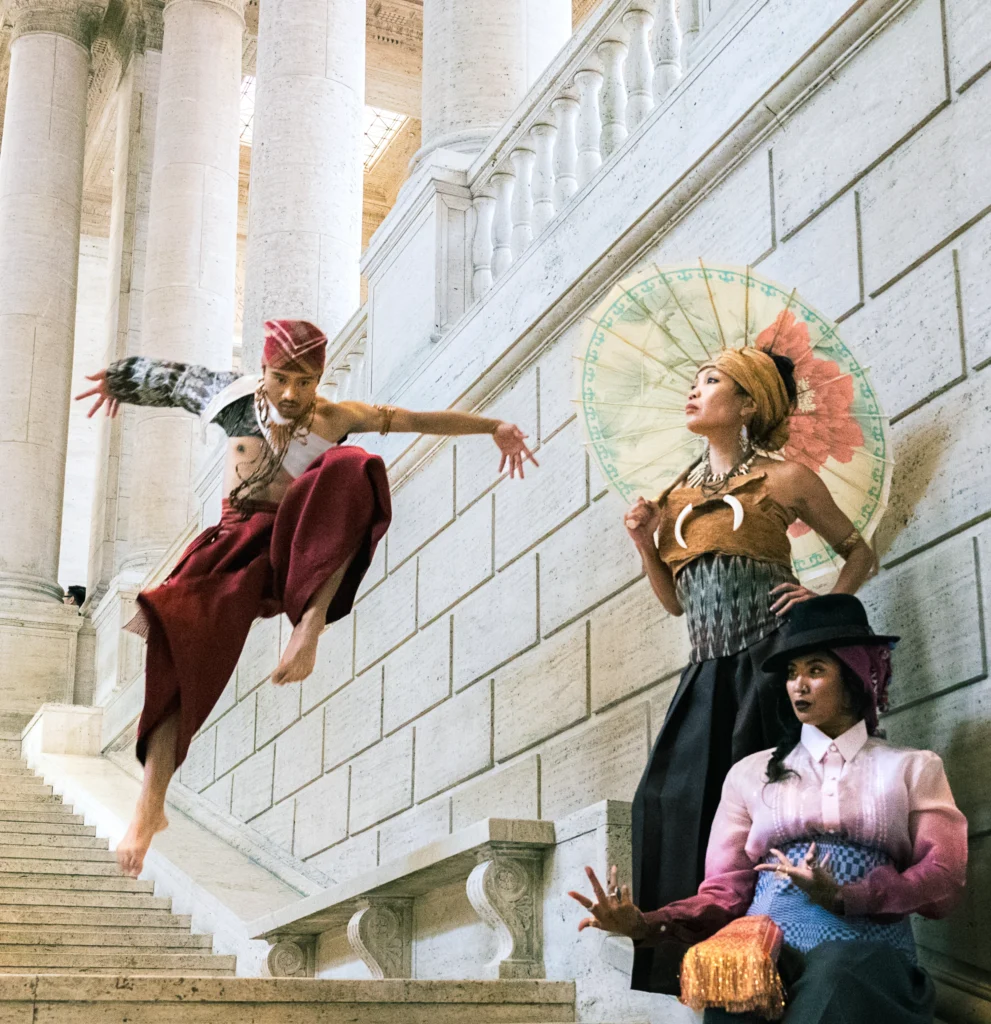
(640, 351)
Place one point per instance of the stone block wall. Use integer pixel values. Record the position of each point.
(507, 658)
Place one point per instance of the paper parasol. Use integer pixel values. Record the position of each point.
(640, 351)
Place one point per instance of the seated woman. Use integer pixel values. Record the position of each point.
(836, 835)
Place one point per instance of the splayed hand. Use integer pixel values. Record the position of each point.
(511, 442)
(103, 396)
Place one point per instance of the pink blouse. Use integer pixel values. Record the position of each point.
(855, 787)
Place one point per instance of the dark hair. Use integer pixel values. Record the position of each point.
(786, 367)
(78, 594)
(857, 699)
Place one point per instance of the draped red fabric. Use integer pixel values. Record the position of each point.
(271, 562)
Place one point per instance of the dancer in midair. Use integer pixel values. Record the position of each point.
(834, 834)
(301, 518)
(715, 548)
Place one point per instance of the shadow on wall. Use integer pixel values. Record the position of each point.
(920, 453)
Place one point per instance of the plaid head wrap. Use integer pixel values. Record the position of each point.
(755, 372)
(294, 345)
(871, 663)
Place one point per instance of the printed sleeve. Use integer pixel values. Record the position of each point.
(157, 382)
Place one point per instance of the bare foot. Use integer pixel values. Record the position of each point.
(300, 655)
(132, 848)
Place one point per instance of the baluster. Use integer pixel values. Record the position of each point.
(612, 52)
(502, 227)
(344, 382)
(667, 49)
(522, 208)
(356, 358)
(639, 68)
(481, 250)
(566, 150)
(543, 176)
(589, 83)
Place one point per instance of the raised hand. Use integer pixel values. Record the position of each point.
(812, 876)
(103, 396)
(787, 595)
(511, 442)
(614, 911)
(641, 520)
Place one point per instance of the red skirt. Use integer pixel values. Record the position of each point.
(270, 562)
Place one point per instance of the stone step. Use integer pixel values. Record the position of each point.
(158, 1000)
(13, 831)
(53, 866)
(56, 899)
(122, 938)
(127, 962)
(12, 788)
(57, 814)
(40, 879)
(98, 917)
(42, 803)
(35, 851)
(49, 841)
(122, 980)
(15, 769)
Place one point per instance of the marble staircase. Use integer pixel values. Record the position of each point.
(80, 943)
(66, 907)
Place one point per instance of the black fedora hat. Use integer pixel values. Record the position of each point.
(834, 620)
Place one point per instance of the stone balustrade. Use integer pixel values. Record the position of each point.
(622, 63)
(345, 377)
(501, 862)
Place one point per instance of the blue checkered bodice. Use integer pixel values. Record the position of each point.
(806, 925)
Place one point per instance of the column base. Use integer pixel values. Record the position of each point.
(468, 140)
(21, 587)
(37, 654)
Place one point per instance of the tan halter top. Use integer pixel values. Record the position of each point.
(762, 534)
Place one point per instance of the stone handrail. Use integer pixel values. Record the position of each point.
(623, 61)
(500, 861)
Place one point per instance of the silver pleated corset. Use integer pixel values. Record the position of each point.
(727, 601)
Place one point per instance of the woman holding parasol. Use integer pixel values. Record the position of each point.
(716, 545)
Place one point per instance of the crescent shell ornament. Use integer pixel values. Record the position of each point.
(682, 516)
(730, 499)
(737, 507)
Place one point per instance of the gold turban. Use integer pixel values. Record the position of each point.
(757, 374)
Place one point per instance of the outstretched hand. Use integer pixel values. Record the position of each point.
(103, 396)
(614, 911)
(511, 442)
(811, 875)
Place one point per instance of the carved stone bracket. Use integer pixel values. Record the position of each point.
(382, 935)
(506, 892)
(293, 956)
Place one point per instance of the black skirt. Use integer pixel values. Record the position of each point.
(723, 710)
(852, 981)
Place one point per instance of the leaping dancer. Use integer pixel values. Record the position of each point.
(302, 516)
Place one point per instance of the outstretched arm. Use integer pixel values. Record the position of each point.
(509, 439)
(154, 382)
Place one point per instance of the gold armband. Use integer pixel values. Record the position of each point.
(846, 546)
(388, 411)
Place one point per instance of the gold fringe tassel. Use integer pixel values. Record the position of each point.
(736, 970)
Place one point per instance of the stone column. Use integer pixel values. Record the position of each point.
(188, 311)
(305, 199)
(479, 60)
(41, 180)
(137, 101)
